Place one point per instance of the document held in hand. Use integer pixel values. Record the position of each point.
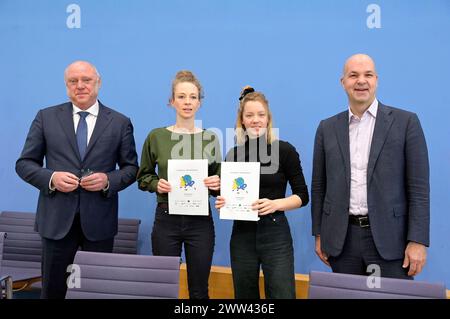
(189, 195)
(239, 185)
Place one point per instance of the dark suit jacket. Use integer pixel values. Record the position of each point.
(52, 137)
(397, 183)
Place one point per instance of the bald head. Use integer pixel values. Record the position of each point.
(81, 64)
(359, 58)
(82, 83)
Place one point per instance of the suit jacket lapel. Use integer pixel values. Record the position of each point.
(383, 124)
(103, 120)
(342, 133)
(65, 116)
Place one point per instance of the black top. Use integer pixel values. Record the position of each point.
(280, 163)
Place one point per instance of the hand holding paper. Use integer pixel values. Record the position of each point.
(163, 186)
(212, 182)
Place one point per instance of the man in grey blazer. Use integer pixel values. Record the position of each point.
(370, 183)
(82, 142)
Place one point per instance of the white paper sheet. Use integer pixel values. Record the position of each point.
(239, 185)
(189, 195)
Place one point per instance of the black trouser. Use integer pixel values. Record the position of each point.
(197, 233)
(266, 244)
(359, 252)
(58, 254)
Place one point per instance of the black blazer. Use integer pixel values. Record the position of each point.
(52, 137)
(398, 190)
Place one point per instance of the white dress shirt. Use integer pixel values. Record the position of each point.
(90, 119)
(360, 133)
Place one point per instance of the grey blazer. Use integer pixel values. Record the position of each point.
(398, 190)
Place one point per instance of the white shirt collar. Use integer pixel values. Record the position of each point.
(373, 109)
(93, 109)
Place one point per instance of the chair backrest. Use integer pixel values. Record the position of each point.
(111, 276)
(327, 285)
(22, 251)
(6, 288)
(126, 240)
(23, 247)
(2, 239)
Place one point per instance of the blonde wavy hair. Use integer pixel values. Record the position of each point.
(249, 94)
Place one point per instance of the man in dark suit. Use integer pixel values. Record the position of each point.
(370, 183)
(82, 142)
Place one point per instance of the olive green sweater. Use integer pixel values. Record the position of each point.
(162, 145)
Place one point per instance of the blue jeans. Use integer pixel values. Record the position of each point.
(266, 244)
(169, 234)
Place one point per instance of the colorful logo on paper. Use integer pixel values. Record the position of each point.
(186, 181)
(238, 184)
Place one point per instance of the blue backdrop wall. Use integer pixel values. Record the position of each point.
(291, 50)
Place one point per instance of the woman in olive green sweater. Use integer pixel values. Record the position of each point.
(170, 232)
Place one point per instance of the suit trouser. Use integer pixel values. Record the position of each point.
(359, 252)
(266, 244)
(169, 234)
(57, 255)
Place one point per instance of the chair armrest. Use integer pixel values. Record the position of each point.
(8, 286)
